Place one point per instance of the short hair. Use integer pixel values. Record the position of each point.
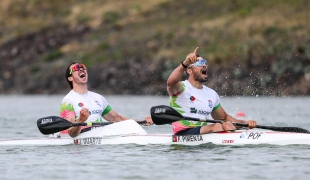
(68, 70)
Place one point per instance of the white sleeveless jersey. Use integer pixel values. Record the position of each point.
(73, 102)
(193, 102)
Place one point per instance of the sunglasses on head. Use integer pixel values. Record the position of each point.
(77, 68)
(199, 63)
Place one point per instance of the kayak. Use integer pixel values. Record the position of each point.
(130, 132)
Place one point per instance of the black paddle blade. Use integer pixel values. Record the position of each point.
(52, 124)
(164, 115)
(285, 129)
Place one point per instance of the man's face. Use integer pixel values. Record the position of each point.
(78, 73)
(200, 70)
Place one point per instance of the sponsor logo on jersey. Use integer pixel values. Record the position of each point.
(98, 103)
(80, 104)
(98, 111)
(192, 98)
(203, 112)
(193, 110)
(210, 103)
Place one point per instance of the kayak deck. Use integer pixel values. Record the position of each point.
(240, 137)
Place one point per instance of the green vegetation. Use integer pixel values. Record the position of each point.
(53, 55)
(271, 37)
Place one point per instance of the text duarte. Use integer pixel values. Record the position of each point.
(88, 141)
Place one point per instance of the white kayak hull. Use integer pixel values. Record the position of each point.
(223, 138)
(129, 132)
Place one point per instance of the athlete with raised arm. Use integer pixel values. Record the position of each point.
(192, 98)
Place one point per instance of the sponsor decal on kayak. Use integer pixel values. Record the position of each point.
(228, 141)
(251, 135)
(188, 138)
(88, 141)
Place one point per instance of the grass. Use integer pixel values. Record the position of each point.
(265, 34)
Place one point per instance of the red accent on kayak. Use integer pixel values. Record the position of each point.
(175, 139)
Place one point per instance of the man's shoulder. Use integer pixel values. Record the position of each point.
(94, 94)
(68, 95)
(206, 88)
(184, 83)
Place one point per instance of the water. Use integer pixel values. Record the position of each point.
(18, 121)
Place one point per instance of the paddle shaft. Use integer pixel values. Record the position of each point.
(282, 129)
(53, 124)
(214, 121)
(163, 114)
(99, 124)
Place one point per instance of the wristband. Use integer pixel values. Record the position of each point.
(183, 65)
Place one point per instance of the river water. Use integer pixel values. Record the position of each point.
(18, 121)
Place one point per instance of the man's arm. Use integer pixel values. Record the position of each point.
(113, 116)
(74, 131)
(174, 85)
(220, 114)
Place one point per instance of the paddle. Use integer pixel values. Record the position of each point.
(165, 115)
(52, 124)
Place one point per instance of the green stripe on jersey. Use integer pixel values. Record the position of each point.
(106, 110)
(216, 107)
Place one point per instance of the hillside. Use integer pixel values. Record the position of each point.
(130, 47)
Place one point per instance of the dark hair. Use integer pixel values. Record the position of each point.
(68, 74)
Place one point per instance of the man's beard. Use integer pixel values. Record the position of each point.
(199, 79)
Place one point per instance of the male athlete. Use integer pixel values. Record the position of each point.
(192, 98)
(81, 105)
